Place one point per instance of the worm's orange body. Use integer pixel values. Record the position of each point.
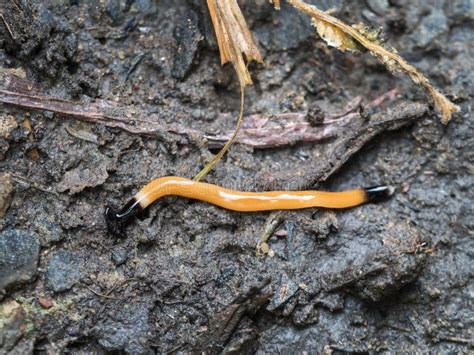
(238, 200)
(247, 201)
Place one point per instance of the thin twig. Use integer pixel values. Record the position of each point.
(7, 26)
(257, 131)
(101, 294)
(289, 128)
(32, 183)
(457, 340)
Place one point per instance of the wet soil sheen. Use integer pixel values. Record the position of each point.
(393, 276)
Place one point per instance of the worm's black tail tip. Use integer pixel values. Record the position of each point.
(379, 193)
(115, 224)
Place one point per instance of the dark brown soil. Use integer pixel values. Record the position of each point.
(394, 276)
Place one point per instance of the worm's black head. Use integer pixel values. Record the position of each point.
(118, 220)
(379, 193)
(115, 224)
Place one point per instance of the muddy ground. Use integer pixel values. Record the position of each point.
(395, 276)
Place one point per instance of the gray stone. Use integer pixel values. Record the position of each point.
(378, 7)
(461, 10)
(147, 7)
(63, 271)
(115, 9)
(430, 28)
(187, 37)
(128, 329)
(286, 289)
(19, 251)
(119, 256)
(49, 232)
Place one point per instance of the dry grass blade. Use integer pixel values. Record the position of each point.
(276, 3)
(233, 37)
(209, 166)
(331, 29)
(235, 41)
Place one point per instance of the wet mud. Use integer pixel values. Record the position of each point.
(98, 98)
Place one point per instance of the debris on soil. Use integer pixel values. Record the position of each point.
(234, 38)
(127, 329)
(78, 179)
(223, 325)
(12, 325)
(63, 271)
(293, 128)
(6, 191)
(7, 125)
(336, 33)
(187, 37)
(82, 134)
(393, 277)
(237, 46)
(19, 250)
(258, 131)
(45, 302)
(284, 291)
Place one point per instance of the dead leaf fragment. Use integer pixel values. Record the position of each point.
(79, 178)
(20, 72)
(10, 308)
(333, 36)
(276, 3)
(335, 30)
(233, 37)
(6, 190)
(7, 125)
(83, 134)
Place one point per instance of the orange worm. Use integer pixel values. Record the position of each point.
(238, 200)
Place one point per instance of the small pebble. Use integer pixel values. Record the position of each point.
(315, 115)
(19, 251)
(281, 233)
(119, 256)
(46, 303)
(63, 271)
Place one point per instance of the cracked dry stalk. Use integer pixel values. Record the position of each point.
(276, 3)
(338, 34)
(236, 46)
(233, 37)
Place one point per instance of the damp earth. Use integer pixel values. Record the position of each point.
(188, 277)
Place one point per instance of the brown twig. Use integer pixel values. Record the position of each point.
(290, 128)
(258, 131)
(101, 294)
